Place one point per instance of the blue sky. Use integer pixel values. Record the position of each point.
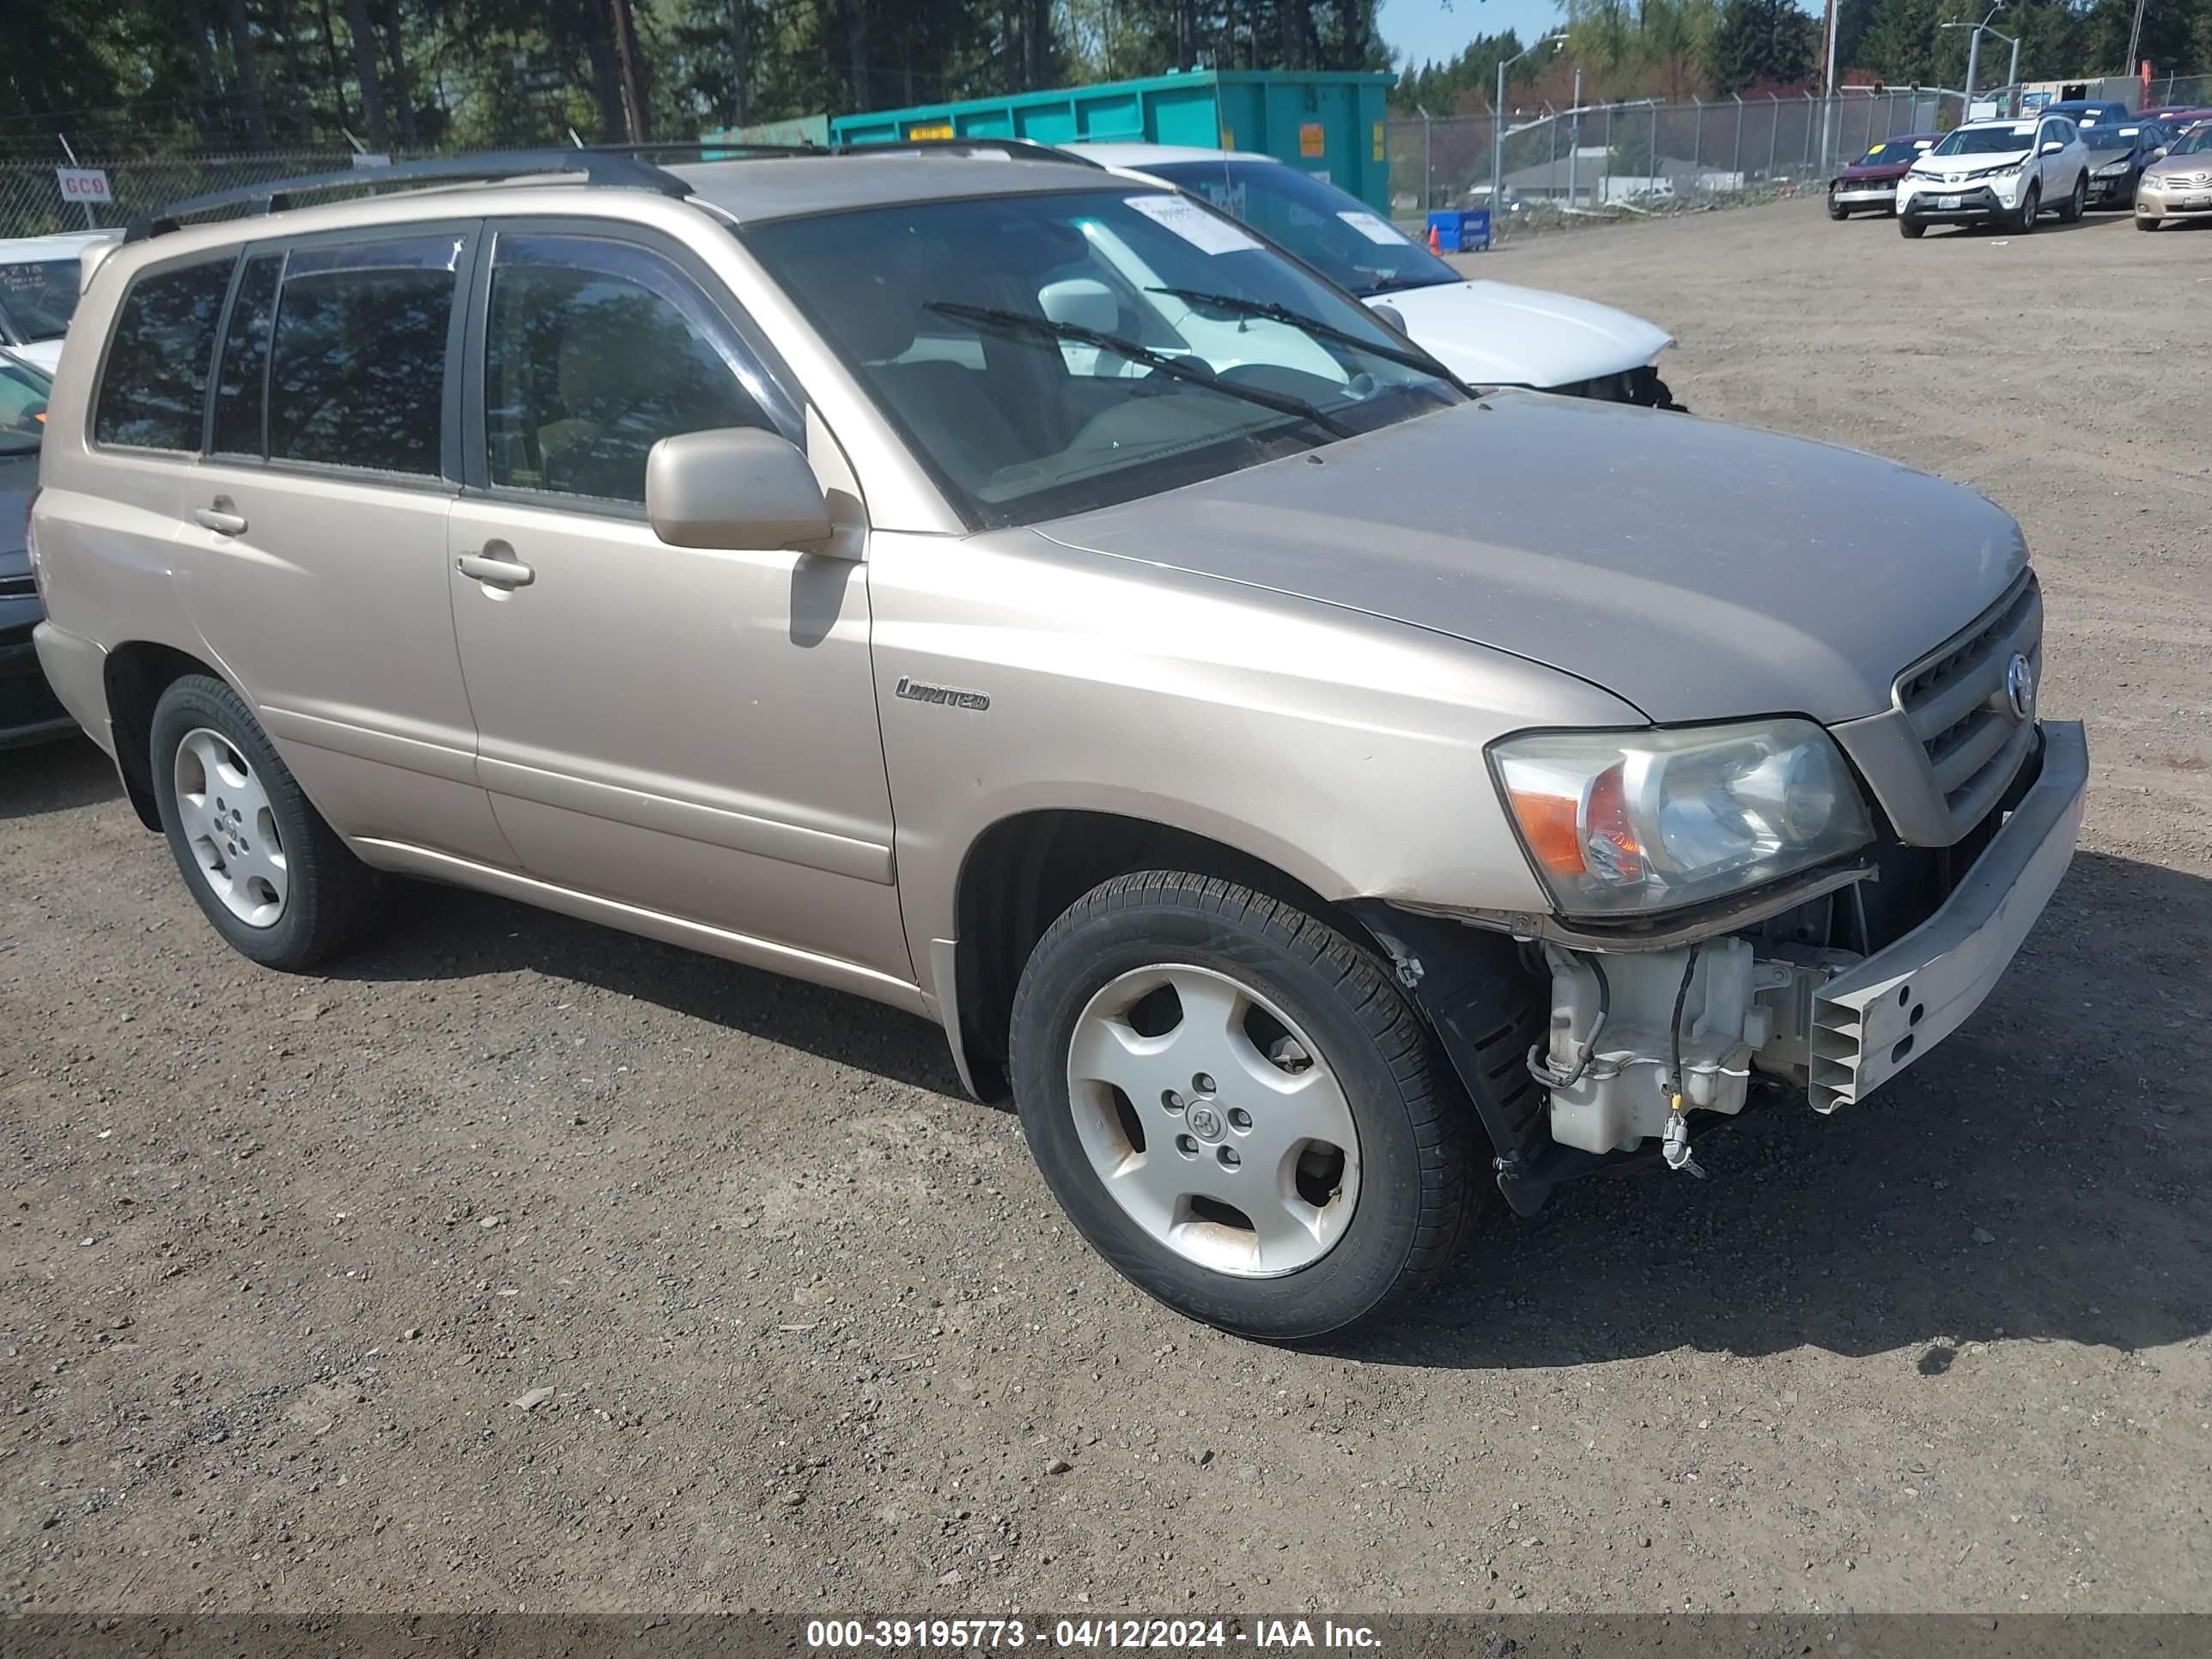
(1422, 29)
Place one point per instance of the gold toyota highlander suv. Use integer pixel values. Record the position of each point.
(1319, 790)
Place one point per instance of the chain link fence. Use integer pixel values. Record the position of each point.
(31, 202)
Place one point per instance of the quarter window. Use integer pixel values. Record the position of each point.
(595, 350)
(153, 391)
(357, 357)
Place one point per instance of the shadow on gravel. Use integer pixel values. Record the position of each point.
(438, 933)
(2046, 1175)
(55, 777)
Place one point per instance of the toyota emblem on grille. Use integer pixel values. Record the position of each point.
(2019, 688)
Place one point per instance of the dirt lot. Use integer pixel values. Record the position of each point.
(280, 1253)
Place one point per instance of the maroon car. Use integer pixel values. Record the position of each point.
(2175, 117)
(1870, 182)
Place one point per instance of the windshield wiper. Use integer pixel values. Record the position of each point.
(1176, 368)
(1410, 356)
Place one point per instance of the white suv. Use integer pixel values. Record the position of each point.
(1997, 172)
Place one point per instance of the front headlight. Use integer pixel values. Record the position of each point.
(1998, 172)
(2113, 171)
(1621, 823)
(2152, 181)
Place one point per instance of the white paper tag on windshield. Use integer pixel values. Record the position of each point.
(1201, 229)
(1374, 227)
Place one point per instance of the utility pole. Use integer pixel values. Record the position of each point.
(1497, 134)
(1828, 92)
(1575, 136)
(2134, 38)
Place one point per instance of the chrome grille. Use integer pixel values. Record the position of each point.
(17, 587)
(1957, 704)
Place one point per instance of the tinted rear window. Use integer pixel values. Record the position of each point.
(357, 369)
(152, 393)
(241, 384)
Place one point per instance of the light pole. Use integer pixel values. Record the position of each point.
(1974, 54)
(1497, 133)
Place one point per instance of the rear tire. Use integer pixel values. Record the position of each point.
(1911, 229)
(2077, 205)
(271, 875)
(1129, 1094)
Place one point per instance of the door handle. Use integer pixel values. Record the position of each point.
(221, 517)
(497, 568)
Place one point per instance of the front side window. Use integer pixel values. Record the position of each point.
(1046, 354)
(1336, 234)
(153, 391)
(38, 297)
(595, 350)
(357, 356)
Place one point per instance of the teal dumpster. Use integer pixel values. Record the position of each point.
(1328, 123)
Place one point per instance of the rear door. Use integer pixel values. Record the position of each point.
(317, 525)
(692, 731)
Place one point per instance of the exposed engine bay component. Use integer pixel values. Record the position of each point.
(1632, 1033)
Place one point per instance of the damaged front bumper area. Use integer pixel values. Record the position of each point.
(1644, 1031)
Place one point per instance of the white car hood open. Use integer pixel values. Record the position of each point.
(1495, 333)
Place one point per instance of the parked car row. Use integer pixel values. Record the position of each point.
(2006, 174)
(1012, 590)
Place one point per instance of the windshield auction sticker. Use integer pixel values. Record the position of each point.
(1201, 229)
(1374, 227)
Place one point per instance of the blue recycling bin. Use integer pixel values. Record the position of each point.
(1461, 230)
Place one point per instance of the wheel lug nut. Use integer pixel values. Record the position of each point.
(1201, 1084)
(1239, 1118)
(1229, 1157)
(1187, 1145)
(1171, 1100)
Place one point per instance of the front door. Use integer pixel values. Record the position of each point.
(689, 731)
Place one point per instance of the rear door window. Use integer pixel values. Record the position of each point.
(153, 391)
(358, 353)
(241, 381)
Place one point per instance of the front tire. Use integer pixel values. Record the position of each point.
(2030, 205)
(271, 875)
(1911, 229)
(1238, 1107)
(2077, 205)
(1837, 209)
(2142, 223)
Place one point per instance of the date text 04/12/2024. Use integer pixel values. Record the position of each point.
(1266, 1635)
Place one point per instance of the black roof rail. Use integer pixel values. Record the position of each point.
(1020, 150)
(597, 166)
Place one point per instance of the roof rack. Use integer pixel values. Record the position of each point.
(597, 166)
(1019, 149)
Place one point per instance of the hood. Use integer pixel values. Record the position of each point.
(2194, 168)
(1493, 333)
(1953, 169)
(47, 354)
(1698, 570)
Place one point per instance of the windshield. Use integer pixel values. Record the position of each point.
(1334, 232)
(1891, 153)
(38, 297)
(1027, 346)
(22, 407)
(2197, 140)
(1986, 141)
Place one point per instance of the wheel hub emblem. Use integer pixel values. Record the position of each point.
(1204, 1122)
(2019, 688)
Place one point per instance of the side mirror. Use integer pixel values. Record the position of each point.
(1082, 301)
(735, 487)
(2051, 146)
(1392, 318)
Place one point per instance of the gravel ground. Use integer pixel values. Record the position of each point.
(286, 1258)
